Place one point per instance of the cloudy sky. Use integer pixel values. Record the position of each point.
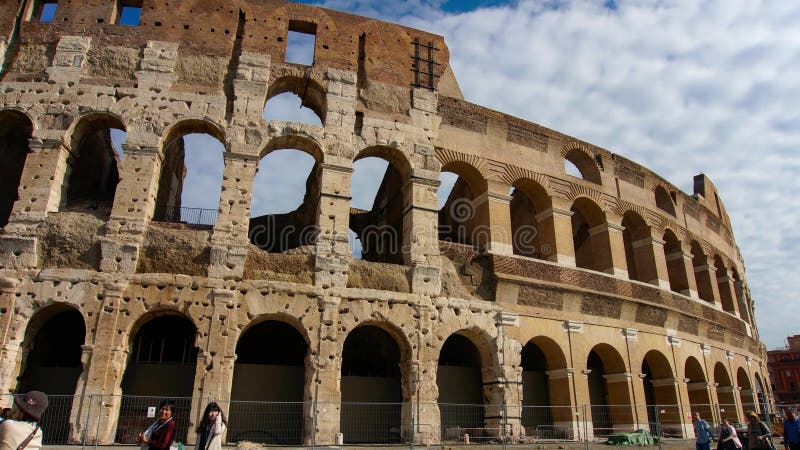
(680, 86)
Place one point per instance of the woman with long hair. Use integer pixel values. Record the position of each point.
(212, 425)
(22, 430)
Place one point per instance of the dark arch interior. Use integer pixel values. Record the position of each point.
(371, 387)
(460, 386)
(270, 367)
(581, 240)
(93, 165)
(598, 395)
(53, 365)
(536, 415)
(14, 133)
(161, 364)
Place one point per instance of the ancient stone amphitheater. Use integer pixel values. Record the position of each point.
(533, 303)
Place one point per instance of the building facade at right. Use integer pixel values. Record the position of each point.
(784, 371)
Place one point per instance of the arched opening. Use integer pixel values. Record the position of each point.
(608, 391)
(660, 395)
(589, 240)
(464, 210)
(761, 397)
(284, 208)
(664, 200)
(377, 215)
(546, 411)
(725, 394)
(532, 235)
(578, 161)
(15, 130)
(190, 183)
(52, 364)
(94, 164)
(460, 384)
(296, 99)
(724, 285)
(676, 269)
(161, 363)
(741, 298)
(699, 396)
(371, 387)
(269, 384)
(746, 392)
(638, 248)
(702, 273)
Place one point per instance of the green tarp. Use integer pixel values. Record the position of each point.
(637, 438)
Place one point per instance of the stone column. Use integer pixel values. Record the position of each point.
(741, 300)
(40, 191)
(133, 207)
(492, 231)
(229, 240)
(12, 328)
(706, 275)
(423, 387)
(639, 401)
(679, 264)
(583, 402)
(650, 261)
(608, 248)
(420, 235)
(326, 375)
(555, 236)
(333, 246)
(106, 367)
(727, 291)
(502, 383)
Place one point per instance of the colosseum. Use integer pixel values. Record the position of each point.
(535, 301)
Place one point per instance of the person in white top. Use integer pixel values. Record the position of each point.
(22, 431)
(211, 428)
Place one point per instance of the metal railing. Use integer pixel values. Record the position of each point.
(113, 420)
(191, 216)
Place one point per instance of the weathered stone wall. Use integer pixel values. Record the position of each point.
(214, 75)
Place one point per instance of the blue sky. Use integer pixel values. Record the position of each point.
(679, 86)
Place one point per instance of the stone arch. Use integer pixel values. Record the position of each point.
(93, 164)
(741, 298)
(698, 387)
(532, 228)
(51, 362)
(726, 293)
(590, 242)
(464, 217)
(172, 187)
(725, 392)
(384, 229)
(746, 392)
(546, 411)
(637, 241)
(609, 391)
(272, 365)
(676, 263)
(311, 93)
(16, 128)
(161, 346)
(660, 391)
(702, 272)
(761, 394)
(372, 384)
(277, 226)
(663, 199)
(583, 161)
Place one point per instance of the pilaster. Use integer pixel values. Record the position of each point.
(608, 248)
(650, 262)
(555, 235)
(333, 247)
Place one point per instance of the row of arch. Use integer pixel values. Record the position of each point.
(273, 365)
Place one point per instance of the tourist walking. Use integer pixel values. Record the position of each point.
(161, 433)
(702, 433)
(22, 430)
(759, 435)
(211, 428)
(728, 440)
(791, 430)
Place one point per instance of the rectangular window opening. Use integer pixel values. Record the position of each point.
(44, 10)
(301, 40)
(129, 12)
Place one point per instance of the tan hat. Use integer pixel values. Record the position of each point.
(34, 403)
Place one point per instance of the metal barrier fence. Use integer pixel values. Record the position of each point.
(191, 216)
(106, 420)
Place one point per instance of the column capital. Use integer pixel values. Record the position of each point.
(557, 374)
(648, 241)
(670, 381)
(603, 227)
(548, 213)
(617, 377)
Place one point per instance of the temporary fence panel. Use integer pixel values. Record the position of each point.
(266, 423)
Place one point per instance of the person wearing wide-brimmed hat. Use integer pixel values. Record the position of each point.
(22, 431)
(759, 435)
